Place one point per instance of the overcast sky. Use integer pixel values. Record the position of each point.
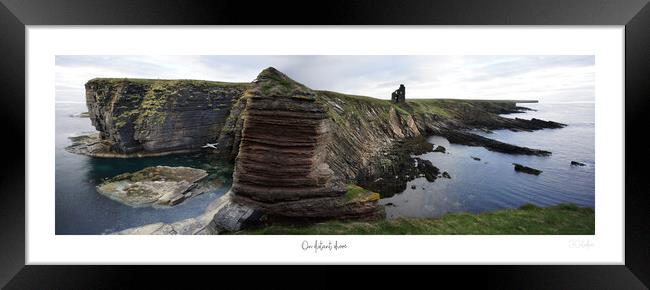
(544, 78)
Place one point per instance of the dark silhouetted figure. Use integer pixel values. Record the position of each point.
(399, 95)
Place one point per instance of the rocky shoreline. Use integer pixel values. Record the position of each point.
(297, 152)
(470, 139)
(200, 225)
(91, 144)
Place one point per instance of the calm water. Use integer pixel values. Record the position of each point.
(80, 209)
(492, 183)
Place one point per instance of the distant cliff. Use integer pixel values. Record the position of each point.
(158, 116)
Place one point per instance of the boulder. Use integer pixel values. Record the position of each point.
(576, 163)
(425, 168)
(233, 216)
(440, 149)
(526, 169)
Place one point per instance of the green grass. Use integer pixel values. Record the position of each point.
(564, 219)
(438, 107)
(148, 106)
(356, 193)
(355, 98)
(357, 104)
(168, 82)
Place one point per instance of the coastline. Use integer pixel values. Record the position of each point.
(342, 139)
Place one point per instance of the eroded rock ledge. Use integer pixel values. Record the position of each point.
(157, 186)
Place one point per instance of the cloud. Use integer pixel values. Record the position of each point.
(546, 78)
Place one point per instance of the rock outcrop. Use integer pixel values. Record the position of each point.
(91, 144)
(158, 186)
(576, 163)
(200, 225)
(470, 139)
(234, 216)
(526, 169)
(153, 117)
(440, 149)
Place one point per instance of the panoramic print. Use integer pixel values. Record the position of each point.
(325, 144)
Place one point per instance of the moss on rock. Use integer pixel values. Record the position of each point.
(357, 193)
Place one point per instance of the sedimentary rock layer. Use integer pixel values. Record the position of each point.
(159, 186)
(282, 166)
(465, 138)
(154, 116)
(282, 149)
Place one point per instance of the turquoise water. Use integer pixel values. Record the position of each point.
(80, 209)
(492, 183)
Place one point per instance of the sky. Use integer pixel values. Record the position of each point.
(546, 78)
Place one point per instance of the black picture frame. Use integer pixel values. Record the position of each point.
(634, 14)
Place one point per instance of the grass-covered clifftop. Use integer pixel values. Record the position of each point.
(564, 219)
(152, 116)
(370, 135)
(432, 115)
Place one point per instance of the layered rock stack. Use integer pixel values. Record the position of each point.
(282, 167)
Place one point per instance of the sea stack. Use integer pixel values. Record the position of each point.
(282, 167)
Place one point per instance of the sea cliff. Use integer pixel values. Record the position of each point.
(154, 117)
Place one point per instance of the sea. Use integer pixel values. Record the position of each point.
(80, 209)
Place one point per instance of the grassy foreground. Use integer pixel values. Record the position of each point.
(564, 219)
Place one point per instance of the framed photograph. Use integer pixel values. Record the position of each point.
(444, 134)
